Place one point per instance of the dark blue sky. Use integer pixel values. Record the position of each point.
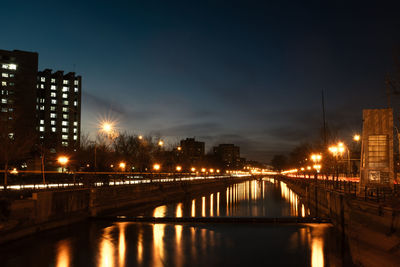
(246, 72)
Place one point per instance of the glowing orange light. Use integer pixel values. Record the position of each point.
(156, 167)
(178, 168)
(62, 160)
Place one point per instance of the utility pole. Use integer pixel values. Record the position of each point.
(323, 117)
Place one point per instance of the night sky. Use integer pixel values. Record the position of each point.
(243, 72)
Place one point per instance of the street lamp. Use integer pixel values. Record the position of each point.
(178, 168)
(156, 167)
(316, 158)
(62, 160)
(122, 165)
(161, 143)
(356, 137)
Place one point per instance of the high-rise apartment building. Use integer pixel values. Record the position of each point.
(229, 155)
(18, 71)
(46, 104)
(58, 108)
(192, 150)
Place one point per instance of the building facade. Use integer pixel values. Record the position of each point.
(18, 92)
(228, 155)
(58, 109)
(43, 106)
(192, 151)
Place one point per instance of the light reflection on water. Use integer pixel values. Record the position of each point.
(251, 198)
(145, 244)
(63, 253)
(183, 245)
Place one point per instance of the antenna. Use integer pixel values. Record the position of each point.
(323, 116)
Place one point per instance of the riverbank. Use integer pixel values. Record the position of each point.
(51, 209)
(372, 229)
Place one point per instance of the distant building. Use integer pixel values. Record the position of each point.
(59, 109)
(45, 105)
(228, 155)
(192, 150)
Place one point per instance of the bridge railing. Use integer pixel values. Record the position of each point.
(32, 181)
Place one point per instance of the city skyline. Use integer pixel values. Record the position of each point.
(249, 74)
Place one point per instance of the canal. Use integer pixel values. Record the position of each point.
(107, 243)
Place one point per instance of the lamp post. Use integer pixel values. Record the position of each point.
(62, 160)
(316, 158)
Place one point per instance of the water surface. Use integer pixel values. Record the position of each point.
(100, 243)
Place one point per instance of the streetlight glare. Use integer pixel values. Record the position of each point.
(122, 165)
(356, 137)
(62, 160)
(193, 169)
(156, 167)
(178, 168)
(161, 143)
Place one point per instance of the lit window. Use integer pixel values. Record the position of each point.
(53, 108)
(64, 137)
(53, 101)
(53, 94)
(76, 89)
(53, 80)
(42, 86)
(65, 109)
(41, 137)
(65, 102)
(64, 143)
(65, 89)
(4, 75)
(75, 130)
(75, 123)
(53, 122)
(64, 123)
(65, 116)
(65, 82)
(53, 115)
(42, 79)
(76, 82)
(41, 122)
(41, 107)
(41, 128)
(9, 66)
(75, 137)
(3, 83)
(3, 109)
(53, 129)
(11, 83)
(64, 130)
(53, 87)
(11, 75)
(41, 100)
(64, 95)
(4, 101)
(75, 103)
(10, 109)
